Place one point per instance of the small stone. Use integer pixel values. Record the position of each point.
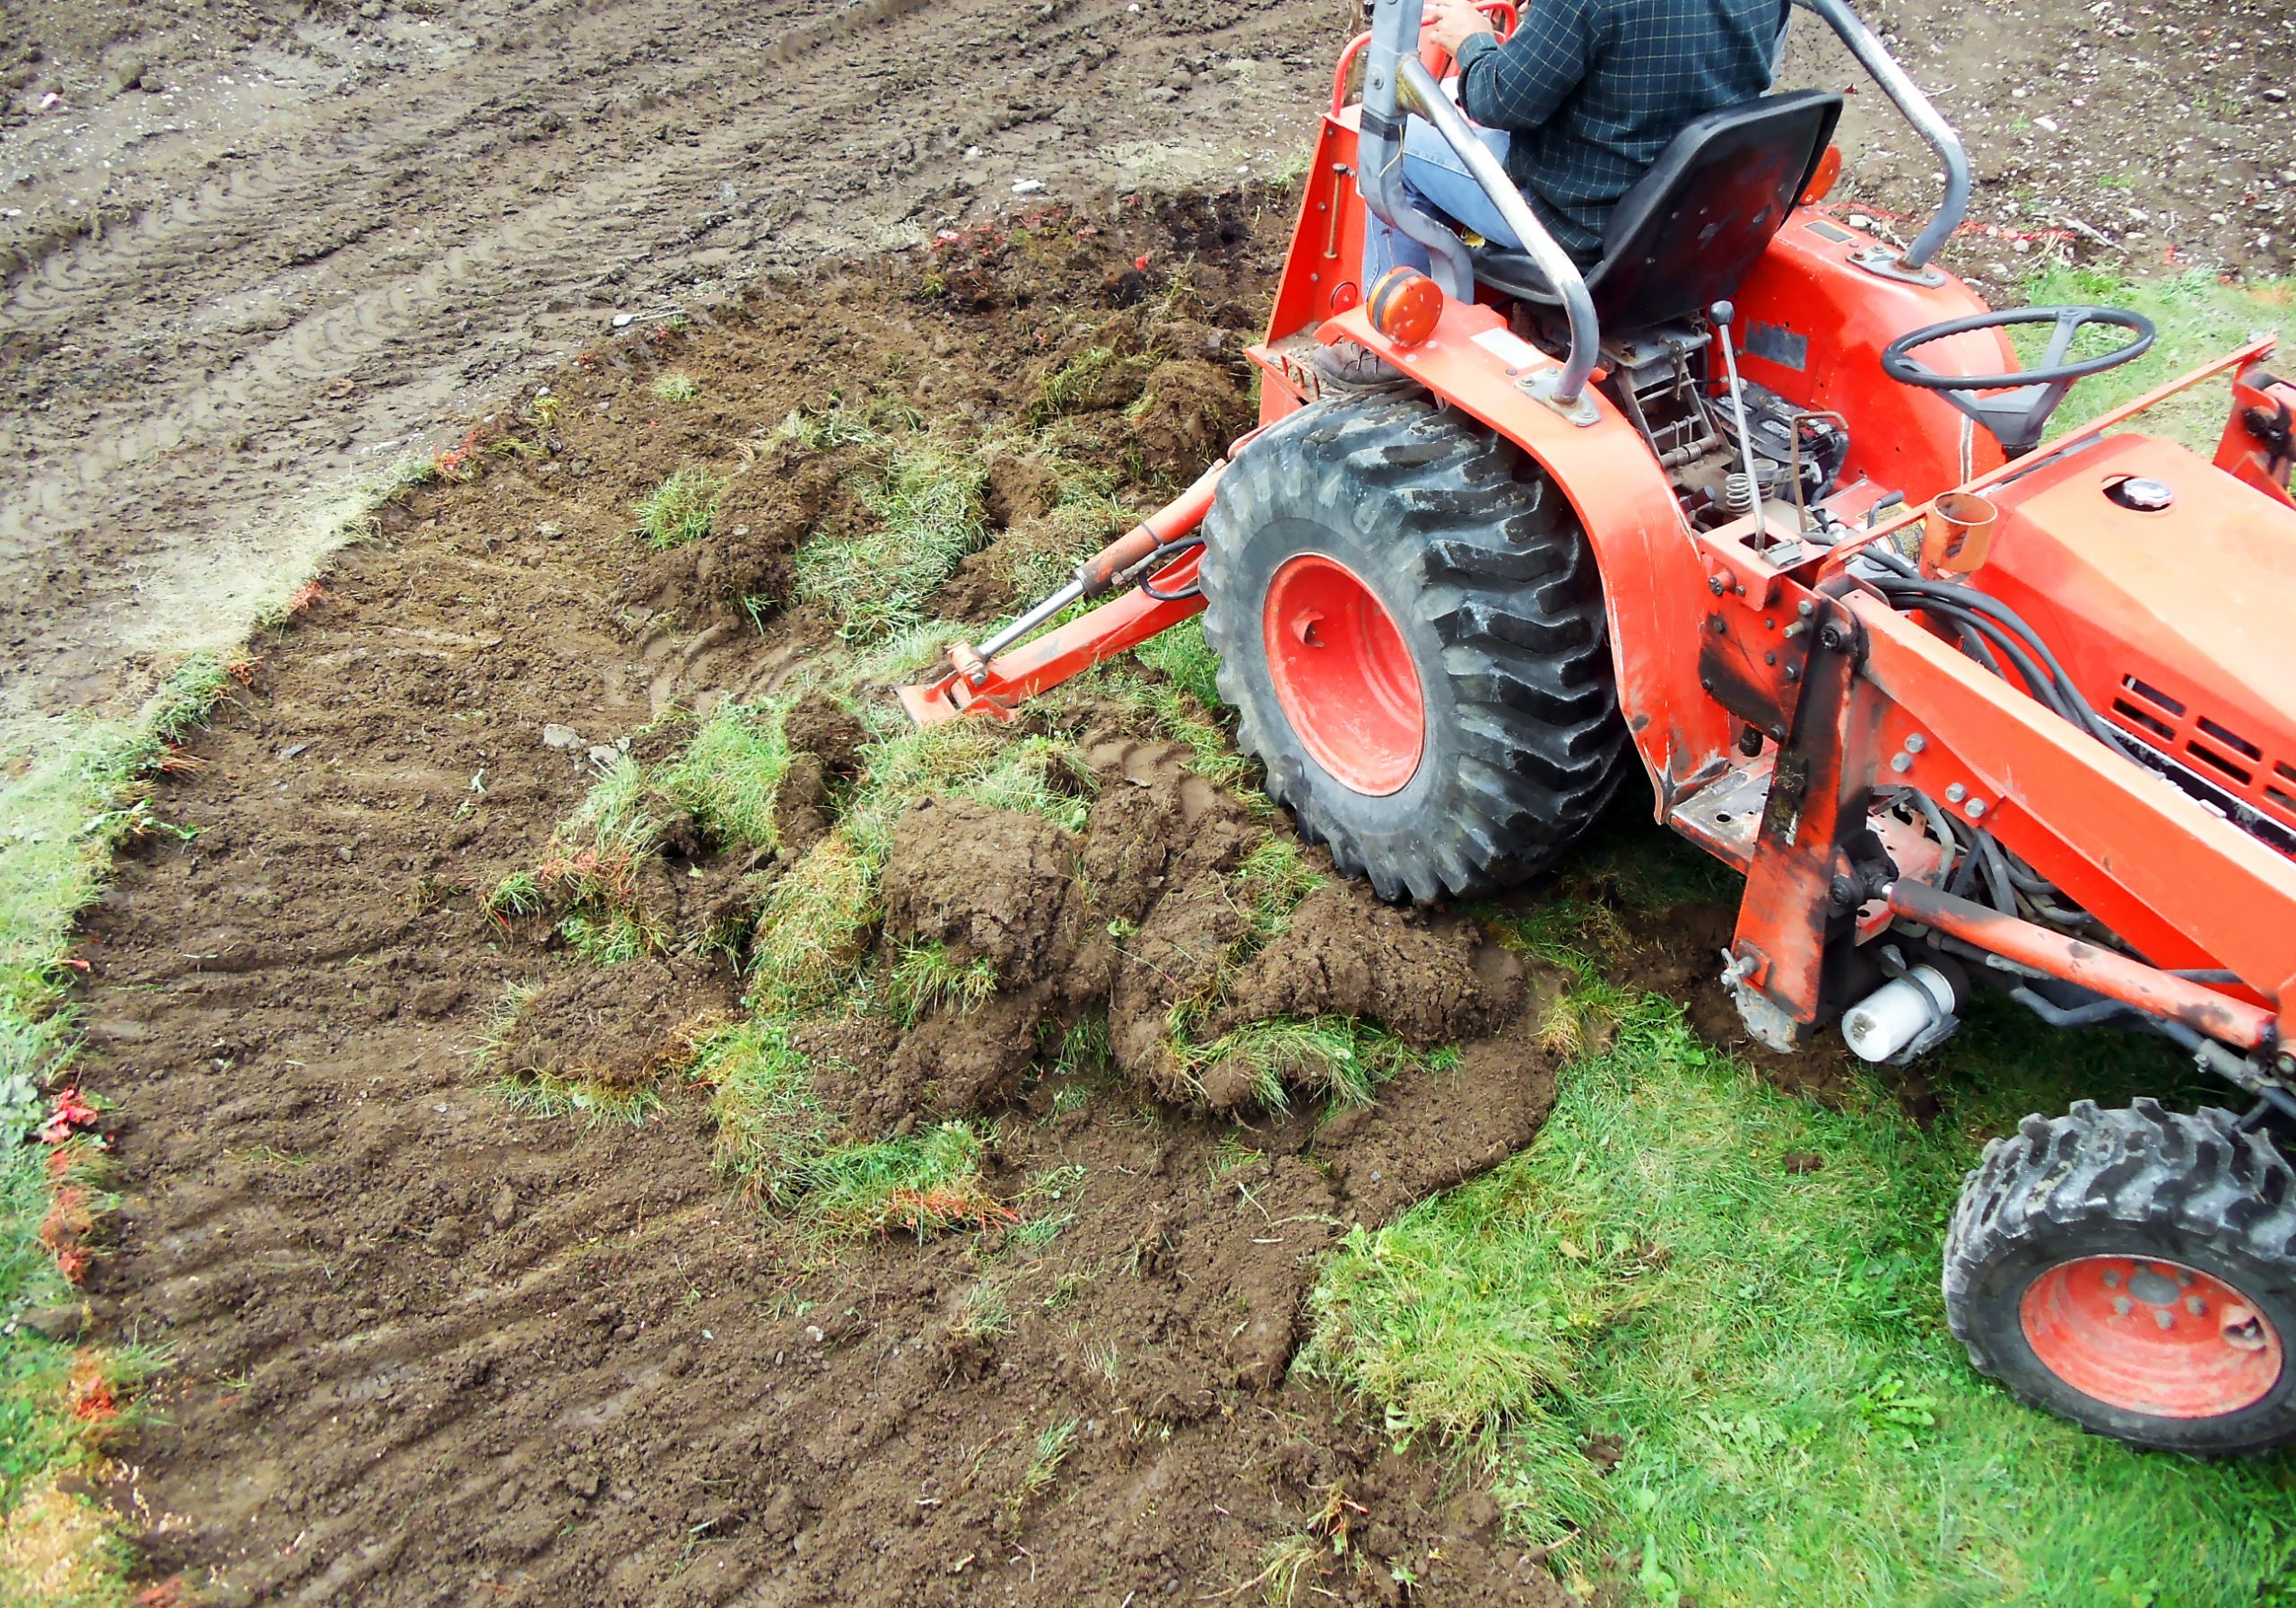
(554, 735)
(624, 320)
(1027, 186)
(59, 1324)
(550, 530)
(582, 1481)
(2046, 124)
(604, 755)
(1161, 95)
(504, 1208)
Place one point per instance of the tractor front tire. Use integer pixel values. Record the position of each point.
(2135, 1271)
(1411, 629)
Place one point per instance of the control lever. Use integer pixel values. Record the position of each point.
(1720, 314)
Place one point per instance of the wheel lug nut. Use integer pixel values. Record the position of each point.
(2121, 1308)
(2184, 1278)
(2195, 1305)
(2164, 1318)
(2113, 1278)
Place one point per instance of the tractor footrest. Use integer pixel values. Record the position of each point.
(1724, 816)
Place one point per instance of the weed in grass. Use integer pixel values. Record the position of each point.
(929, 515)
(682, 509)
(927, 979)
(676, 387)
(730, 775)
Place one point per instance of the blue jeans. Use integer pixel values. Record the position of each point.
(1434, 175)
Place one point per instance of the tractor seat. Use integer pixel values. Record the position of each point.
(1692, 228)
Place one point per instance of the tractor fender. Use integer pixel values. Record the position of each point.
(1654, 579)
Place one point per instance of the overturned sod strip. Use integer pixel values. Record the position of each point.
(625, 1106)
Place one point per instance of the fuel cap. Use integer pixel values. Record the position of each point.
(2145, 496)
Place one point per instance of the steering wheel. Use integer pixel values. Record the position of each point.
(2019, 411)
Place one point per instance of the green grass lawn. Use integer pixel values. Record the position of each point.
(1763, 1340)
(1762, 1344)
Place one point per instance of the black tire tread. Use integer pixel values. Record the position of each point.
(2196, 1174)
(1503, 575)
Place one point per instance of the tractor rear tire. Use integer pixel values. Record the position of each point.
(2135, 1271)
(1411, 629)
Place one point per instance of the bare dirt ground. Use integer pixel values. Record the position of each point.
(426, 1351)
(253, 249)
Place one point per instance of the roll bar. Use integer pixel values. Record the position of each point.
(1396, 81)
(1918, 110)
(1396, 84)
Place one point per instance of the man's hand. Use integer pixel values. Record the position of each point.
(1453, 22)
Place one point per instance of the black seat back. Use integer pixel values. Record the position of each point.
(1692, 228)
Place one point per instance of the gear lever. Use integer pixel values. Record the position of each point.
(1720, 314)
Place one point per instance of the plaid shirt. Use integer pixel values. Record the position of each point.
(1592, 91)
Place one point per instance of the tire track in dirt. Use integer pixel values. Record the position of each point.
(427, 1350)
(192, 387)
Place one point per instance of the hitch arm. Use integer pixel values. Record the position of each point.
(993, 678)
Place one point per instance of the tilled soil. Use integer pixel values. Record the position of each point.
(426, 1349)
(254, 248)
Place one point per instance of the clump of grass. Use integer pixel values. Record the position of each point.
(983, 1313)
(682, 509)
(814, 928)
(1272, 881)
(676, 387)
(923, 1183)
(1099, 377)
(1334, 1055)
(730, 775)
(496, 1036)
(927, 508)
(927, 979)
(821, 430)
(613, 938)
(769, 1125)
(550, 1094)
(1050, 1451)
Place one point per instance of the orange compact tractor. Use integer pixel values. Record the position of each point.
(1761, 502)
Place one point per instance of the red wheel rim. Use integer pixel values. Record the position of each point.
(2152, 1336)
(1343, 674)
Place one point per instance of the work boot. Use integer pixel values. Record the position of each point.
(1344, 366)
